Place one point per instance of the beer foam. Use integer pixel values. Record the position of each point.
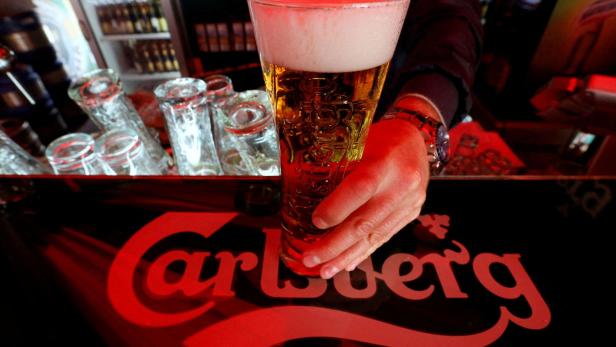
(338, 36)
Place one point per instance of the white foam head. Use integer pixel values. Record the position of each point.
(327, 35)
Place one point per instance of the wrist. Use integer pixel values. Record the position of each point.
(421, 104)
(421, 113)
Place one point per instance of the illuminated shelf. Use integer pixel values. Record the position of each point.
(135, 77)
(145, 36)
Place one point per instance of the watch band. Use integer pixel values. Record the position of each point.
(434, 133)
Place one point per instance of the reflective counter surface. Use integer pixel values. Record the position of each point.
(194, 262)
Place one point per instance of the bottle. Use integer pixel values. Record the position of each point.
(145, 18)
(119, 22)
(164, 52)
(137, 58)
(101, 13)
(158, 61)
(147, 60)
(174, 60)
(153, 18)
(136, 17)
(162, 21)
(128, 22)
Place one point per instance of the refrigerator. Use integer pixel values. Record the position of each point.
(137, 39)
(208, 37)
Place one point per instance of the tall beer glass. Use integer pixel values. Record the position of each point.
(324, 64)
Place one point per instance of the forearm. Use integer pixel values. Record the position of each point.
(439, 52)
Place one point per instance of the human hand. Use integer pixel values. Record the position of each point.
(383, 194)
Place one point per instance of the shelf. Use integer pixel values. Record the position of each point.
(135, 77)
(148, 36)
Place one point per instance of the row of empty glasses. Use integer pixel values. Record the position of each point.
(213, 130)
(116, 152)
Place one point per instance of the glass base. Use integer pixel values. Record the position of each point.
(291, 254)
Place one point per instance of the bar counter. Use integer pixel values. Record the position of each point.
(176, 261)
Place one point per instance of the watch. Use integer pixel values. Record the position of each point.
(434, 132)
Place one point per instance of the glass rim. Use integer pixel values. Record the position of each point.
(77, 90)
(223, 84)
(85, 152)
(129, 149)
(251, 126)
(196, 88)
(328, 4)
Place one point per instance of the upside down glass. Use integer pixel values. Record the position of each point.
(14, 160)
(125, 154)
(99, 93)
(74, 154)
(231, 152)
(324, 65)
(249, 120)
(183, 102)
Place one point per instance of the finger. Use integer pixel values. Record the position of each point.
(404, 221)
(354, 191)
(331, 268)
(398, 223)
(359, 225)
(364, 246)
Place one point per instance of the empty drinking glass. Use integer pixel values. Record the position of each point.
(100, 95)
(233, 154)
(14, 160)
(184, 105)
(74, 154)
(249, 118)
(125, 154)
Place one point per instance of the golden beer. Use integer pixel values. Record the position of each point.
(324, 65)
(322, 121)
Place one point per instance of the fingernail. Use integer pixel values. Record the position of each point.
(319, 223)
(351, 267)
(311, 261)
(329, 272)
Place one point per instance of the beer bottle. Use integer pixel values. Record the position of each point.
(135, 17)
(137, 58)
(147, 60)
(128, 22)
(103, 18)
(153, 18)
(113, 23)
(174, 60)
(119, 21)
(166, 57)
(162, 21)
(158, 61)
(147, 24)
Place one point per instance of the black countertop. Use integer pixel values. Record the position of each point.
(183, 261)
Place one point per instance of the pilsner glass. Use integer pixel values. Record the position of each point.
(100, 95)
(249, 120)
(14, 160)
(232, 153)
(184, 105)
(123, 151)
(324, 65)
(74, 154)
